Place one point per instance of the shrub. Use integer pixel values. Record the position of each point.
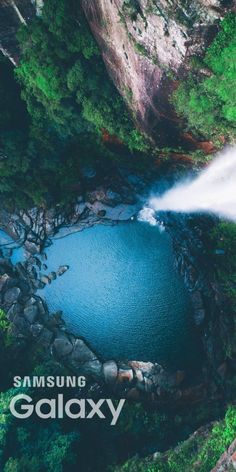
(209, 103)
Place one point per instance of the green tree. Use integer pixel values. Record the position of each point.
(209, 103)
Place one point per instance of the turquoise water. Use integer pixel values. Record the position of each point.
(123, 295)
(8, 244)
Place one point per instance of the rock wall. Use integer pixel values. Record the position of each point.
(12, 15)
(212, 308)
(227, 462)
(146, 46)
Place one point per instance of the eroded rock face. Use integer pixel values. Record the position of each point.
(13, 13)
(145, 44)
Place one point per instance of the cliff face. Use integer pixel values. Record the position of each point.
(12, 14)
(146, 45)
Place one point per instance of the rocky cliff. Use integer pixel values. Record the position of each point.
(12, 15)
(147, 45)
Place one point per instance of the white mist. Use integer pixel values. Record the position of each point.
(213, 191)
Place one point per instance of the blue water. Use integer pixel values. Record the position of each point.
(123, 295)
(8, 244)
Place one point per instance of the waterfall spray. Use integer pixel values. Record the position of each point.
(212, 191)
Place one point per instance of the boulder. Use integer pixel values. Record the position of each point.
(148, 385)
(92, 368)
(62, 270)
(110, 371)
(30, 301)
(36, 329)
(125, 375)
(38, 284)
(32, 247)
(52, 276)
(199, 316)
(12, 295)
(3, 279)
(21, 325)
(14, 310)
(45, 338)
(45, 280)
(138, 375)
(62, 346)
(145, 367)
(82, 353)
(31, 313)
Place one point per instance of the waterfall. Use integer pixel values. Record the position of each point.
(212, 191)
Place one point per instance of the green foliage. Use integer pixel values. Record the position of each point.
(140, 49)
(4, 323)
(209, 103)
(5, 329)
(70, 102)
(199, 453)
(131, 8)
(33, 445)
(42, 450)
(61, 71)
(222, 254)
(37, 166)
(224, 239)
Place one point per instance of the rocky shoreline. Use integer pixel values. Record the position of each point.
(32, 323)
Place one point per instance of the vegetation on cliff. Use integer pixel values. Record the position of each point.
(207, 99)
(199, 453)
(63, 75)
(70, 102)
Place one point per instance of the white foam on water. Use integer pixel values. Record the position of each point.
(212, 191)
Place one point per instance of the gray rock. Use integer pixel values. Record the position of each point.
(52, 276)
(125, 375)
(79, 208)
(21, 269)
(3, 280)
(21, 325)
(12, 295)
(62, 346)
(148, 385)
(32, 247)
(31, 313)
(62, 270)
(36, 329)
(82, 353)
(38, 284)
(110, 371)
(45, 338)
(199, 316)
(30, 301)
(43, 312)
(92, 368)
(14, 310)
(45, 279)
